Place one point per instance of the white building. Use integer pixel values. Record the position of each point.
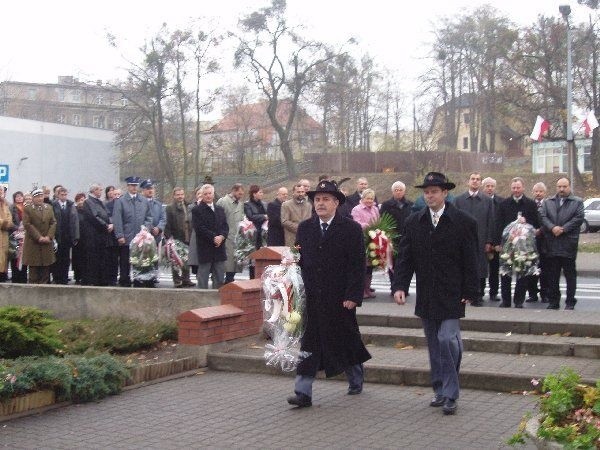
(551, 157)
(34, 153)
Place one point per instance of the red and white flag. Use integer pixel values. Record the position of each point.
(590, 123)
(541, 126)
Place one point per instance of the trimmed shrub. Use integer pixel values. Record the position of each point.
(27, 331)
(72, 378)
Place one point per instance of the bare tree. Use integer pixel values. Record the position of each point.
(283, 65)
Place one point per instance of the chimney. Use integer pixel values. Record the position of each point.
(65, 79)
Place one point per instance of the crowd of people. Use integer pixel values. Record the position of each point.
(92, 233)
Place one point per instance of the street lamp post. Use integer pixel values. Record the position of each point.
(565, 10)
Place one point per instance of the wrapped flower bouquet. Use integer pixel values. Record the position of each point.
(519, 256)
(378, 239)
(285, 312)
(143, 256)
(174, 254)
(245, 240)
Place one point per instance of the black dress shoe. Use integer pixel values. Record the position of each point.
(569, 307)
(551, 306)
(531, 300)
(300, 400)
(437, 400)
(504, 305)
(371, 289)
(450, 407)
(520, 305)
(354, 390)
(477, 302)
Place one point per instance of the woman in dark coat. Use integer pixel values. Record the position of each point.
(78, 255)
(255, 211)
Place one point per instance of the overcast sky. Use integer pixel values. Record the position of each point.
(44, 39)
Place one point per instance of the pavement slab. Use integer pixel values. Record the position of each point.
(236, 410)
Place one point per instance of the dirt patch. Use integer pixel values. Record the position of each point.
(589, 238)
(165, 351)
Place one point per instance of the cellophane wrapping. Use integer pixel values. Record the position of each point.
(519, 256)
(143, 256)
(284, 312)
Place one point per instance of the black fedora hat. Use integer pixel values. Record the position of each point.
(436, 179)
(327, 187)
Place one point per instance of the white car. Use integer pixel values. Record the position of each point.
(592, 215)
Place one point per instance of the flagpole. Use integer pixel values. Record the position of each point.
(565, 10)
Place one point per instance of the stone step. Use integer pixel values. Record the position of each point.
(577, 324)
(410, 366)
(481, 341)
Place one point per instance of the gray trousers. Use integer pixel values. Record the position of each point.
(217, 269)
(354, 374)
(445, 353)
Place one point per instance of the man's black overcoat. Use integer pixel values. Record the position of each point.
(444, 259)
(208, 224)
(333, 268)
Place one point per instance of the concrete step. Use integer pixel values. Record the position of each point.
(480, 341)
(520, 321)
(410, 366)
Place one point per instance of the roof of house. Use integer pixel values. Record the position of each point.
(254, 117)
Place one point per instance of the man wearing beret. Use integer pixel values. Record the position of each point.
(439, 245)
(332, 259)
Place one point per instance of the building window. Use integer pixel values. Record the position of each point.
(465, 143)
(117, 122)
(76, 96)
(98, 122)
(467, 118)
(76, 120)
(31, 93)
(100, 99)
(60, 118)
(61, 95)
(549, 159)
(124, 102)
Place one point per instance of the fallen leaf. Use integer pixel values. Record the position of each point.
(567, 333)
(199, 373)
(509, 333)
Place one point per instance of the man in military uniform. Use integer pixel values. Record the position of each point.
(129, 214)
(38, 245)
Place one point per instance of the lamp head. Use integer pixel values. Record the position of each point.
(565, 10)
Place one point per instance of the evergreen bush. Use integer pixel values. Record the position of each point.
(27, 331)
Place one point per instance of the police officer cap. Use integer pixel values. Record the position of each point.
(436, 179)
(37, 192)
(147, 184)
(327, 187)
(132, 180)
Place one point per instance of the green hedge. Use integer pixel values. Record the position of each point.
(75, 378)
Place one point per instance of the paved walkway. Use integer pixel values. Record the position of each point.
(231, 410)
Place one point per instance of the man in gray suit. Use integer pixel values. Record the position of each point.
(129, 214)
(562, 217)
(479, 206)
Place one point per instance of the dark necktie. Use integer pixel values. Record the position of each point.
(324, 227)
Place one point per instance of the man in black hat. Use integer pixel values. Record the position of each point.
(332, 259)
(439, 245)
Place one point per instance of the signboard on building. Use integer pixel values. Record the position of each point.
(4, 173)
